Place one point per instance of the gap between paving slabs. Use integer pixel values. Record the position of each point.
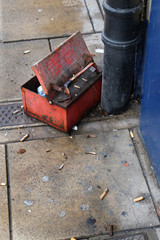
(68, 199)
(4, 216)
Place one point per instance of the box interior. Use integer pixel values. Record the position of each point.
(32, 84)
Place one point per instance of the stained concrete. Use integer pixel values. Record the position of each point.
(43, 19)
(93, 42)
(16, 66)
(49, 202)
(4, 218)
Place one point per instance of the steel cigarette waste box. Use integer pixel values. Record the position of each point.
(71, 82)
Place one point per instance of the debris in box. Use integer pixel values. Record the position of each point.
(73, 238)
(84, 79)
(40, 91)
(23, 138)
(104, 193)
(21, 151)
(76, 86)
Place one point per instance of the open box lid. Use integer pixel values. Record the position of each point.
(60, 65)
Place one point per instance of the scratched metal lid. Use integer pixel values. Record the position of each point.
(59, 66)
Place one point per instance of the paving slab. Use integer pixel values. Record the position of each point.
(4, 219)
(4, 226)
(93, 42)
(15, 66)
(95, 14)
(43, 19)
(49, 202)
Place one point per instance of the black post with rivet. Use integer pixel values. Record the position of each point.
(120, 36)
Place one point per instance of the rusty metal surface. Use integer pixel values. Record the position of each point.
(132, 237)
(59, 66)
(8, 117)
(77, 88)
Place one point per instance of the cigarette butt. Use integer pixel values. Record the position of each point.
(27, 51)
(84, 79)
(15, 112)
(23, 138)
(76, 86)
(48, 150)
(2, 184)
(19, 128)
(131, 134)
(93, 153)
(138, 199)
(104, 194)
(64, 155)
(60, 168)
(91, 136)
(73, 238)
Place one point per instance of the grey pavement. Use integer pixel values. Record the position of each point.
(39, 200)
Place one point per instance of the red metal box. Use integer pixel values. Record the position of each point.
(71, 83)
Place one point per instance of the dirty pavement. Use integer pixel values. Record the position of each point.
(95, 183)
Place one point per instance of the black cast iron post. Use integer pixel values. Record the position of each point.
(120, 37)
